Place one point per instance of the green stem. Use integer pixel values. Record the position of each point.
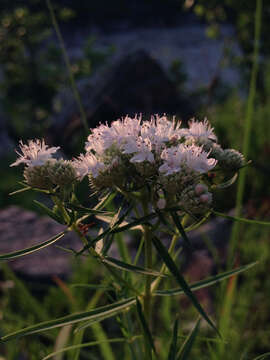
(148, 265)
(156, 282)
(68, 65)
(247, 130)
(147, 298)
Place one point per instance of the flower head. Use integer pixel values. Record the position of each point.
(201, 131)
(86, 165)
(191, 157)
(36, 153)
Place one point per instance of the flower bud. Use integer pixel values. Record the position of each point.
(62, 173)
(206, 198)
(38, 176)
(200, 189)
(195, 199)
(161, 203)
(232, 159)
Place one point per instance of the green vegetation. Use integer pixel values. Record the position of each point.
(240, 307)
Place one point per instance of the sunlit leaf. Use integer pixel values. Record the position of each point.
(226, 183)
(100, 312)
(85, 345)
(20, 190)
(207, 282)
(86, 210)
(128, 267)
(263, 356)
(32, 249)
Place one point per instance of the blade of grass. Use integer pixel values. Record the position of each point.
(181, 229)
(205, 283)
(173, 347)
(185, 350)
(85, 345)
(162, 251)
(100, 312)
(145, 327)
(68, 65)
(237, 218)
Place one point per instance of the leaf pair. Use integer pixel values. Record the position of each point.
(184, 352)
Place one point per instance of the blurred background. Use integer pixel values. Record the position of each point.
(188, 58)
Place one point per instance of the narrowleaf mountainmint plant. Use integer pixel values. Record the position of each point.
(166, 175)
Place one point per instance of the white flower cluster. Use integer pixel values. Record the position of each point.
(42, 170)
(159, 141)
(131, 153)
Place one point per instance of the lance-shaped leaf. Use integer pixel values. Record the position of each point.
(198, 223)
(237, 218)
(49, 212)
(145, 327)
(136, 223)
(26, 188)
(93, 286)
(163, 252)
(85, 345)
(225, 184)
(128, 267)
(86, 210)
(207, 282)
(185, 350)
(32, 249)
(263, 356)
(102, 312)
(105, 200)
(116, 228)
(173, 347)
(181, 229)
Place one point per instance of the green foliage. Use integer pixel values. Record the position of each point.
(32, 67)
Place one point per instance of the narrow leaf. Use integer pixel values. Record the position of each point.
(85, 345)
(128, 267)
(32, 249)
(263, 356)
(100, 312)
(185, 350)
(145, 326)
(207, 282)
(226, 183)
(49, 212)
(20, 190)
(180, 229)
(92, 286)
(198, 223)
(236, 218)
(140, 221)
(173, 347)
(86, 210)
(105, 201)
(161, 249)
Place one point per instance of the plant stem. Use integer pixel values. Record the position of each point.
(147, 301)
(156, 282)
(148, 265)
(68, 65)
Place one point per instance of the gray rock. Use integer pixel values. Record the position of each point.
(200, 55)
(21, 229)
(136, 84)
